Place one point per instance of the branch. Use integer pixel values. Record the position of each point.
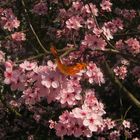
(116, 81)
(126, 56)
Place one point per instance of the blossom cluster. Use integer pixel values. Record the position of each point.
(46, 81)
(8, 20)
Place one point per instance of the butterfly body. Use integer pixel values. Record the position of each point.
(67, 69)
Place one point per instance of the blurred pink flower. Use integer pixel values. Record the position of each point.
(133, 45)
(106, 5)
(18, 36)
(40, 8)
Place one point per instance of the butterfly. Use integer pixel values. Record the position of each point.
(67, 69)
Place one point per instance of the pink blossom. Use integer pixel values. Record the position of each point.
(133, 45)
(15, 104)
(126, 124)
(82, 121)
(94, 42)
(77, 130)
(74, 22)
(77, 5)
(111, 26)
(65, 117)
(8, 20)
(26, 65)
(97, 31)
(92, 121)
(108, 124)
(31, 96)
(118, 23)
(114, 135)
(40, 8)
(106, 5)
(90, 8)
(9, 25)
(18, 36)
(120, 45)
(11, 76)
(90, 99)
(50, 79)
(60, 129)
(107, 33)
(90, 23)
(79, 113)
(70, 92)
(121, 71)
(94, 74)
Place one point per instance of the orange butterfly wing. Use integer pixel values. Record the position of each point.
(67, 70)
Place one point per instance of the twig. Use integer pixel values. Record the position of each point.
(31, 58)
(32, 29)
(126, 112)
(125, 34)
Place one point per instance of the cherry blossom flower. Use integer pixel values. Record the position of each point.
(74, 22)
(77, 5)
(28, 66)
(90, 23)
(107, 33)
(40, 8)
(90, 8)
(50, 79)
(52, 124)
(106, 5)
(94, 42)
(120, 45)
(118, 23)
(133, 45)
(114, 135)
(8, 20)
(121, 72)
(18, 36)
(92, 121)
(126, 124)
(108, 124)
(94, 74)
(60, 129)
